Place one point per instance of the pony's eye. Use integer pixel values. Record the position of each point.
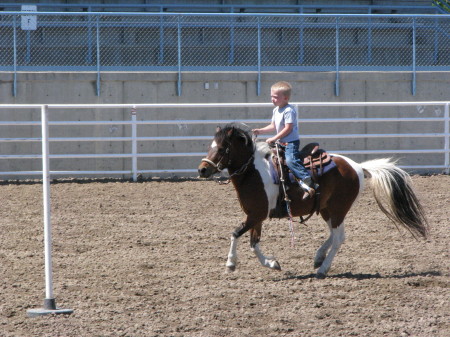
(221, 151)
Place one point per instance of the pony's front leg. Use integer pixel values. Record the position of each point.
(232, 255)
(266, 261)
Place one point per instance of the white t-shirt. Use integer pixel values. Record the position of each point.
(281, 116)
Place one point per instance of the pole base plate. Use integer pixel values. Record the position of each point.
(43, 311)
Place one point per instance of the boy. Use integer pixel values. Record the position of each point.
(284, 122)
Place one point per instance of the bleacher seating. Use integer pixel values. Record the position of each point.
(307, 7)
(68, 41)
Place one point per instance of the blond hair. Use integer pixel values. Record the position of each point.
(284, 87)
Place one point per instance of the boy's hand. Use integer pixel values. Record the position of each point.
(256, 132)
(271, 140)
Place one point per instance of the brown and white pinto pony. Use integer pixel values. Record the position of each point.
(248, 164)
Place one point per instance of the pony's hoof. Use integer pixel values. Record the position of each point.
(230, 269)
(276, 266)
(317, 264)
(321, 276)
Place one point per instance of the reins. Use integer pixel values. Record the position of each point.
(242, 170)
(286, 198)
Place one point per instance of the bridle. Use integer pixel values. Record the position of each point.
(220, 167)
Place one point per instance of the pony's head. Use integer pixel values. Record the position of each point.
(231, 148)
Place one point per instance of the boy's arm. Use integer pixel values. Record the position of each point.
(267, 129)
(283, 133)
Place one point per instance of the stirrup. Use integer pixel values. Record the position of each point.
(309, 194)
(310, 191)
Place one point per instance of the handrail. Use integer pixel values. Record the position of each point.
(231, 7)
(134, 155)
(321, 15)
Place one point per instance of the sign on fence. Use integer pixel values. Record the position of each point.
(29, 22)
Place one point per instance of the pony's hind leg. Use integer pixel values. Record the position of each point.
(266, 261)
(321, 253)
(337, 238)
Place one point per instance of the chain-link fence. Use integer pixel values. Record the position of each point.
(256, 42)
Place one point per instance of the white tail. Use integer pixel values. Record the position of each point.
(395, 196)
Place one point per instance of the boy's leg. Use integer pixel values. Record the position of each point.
(296, 166)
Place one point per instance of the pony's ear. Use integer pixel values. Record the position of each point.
(243, 136)
(229, 133)
(218, 129)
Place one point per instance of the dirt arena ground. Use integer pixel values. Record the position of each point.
(148, 259)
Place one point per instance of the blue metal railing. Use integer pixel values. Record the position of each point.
(98, 42)
(235, 8)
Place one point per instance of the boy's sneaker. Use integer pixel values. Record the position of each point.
(309, 187)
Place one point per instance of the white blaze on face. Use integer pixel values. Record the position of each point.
(213, 144)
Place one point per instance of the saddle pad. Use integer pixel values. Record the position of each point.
(276, 178)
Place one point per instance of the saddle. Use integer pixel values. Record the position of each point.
(314, 159)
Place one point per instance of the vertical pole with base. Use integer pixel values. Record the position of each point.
(49, 301)
(134, 143)
(447, 138)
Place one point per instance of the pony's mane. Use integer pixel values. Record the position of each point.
(263, 148)
(235, 129)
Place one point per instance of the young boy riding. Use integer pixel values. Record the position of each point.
(284, 123)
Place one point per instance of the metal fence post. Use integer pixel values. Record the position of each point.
(179, 58)
(98, 55)
(414, 57)
(231, 53)
(161, 41)
(258, 86)
(28, 54)
(89, 40)
(337, 57)
(301, 52)
(436, 42)
(15, 56)
(369, 41)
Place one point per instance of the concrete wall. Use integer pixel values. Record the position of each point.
(156, 87)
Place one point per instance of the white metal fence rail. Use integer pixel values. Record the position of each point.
(134, 155)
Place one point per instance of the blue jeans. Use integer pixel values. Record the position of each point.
(293, 160)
